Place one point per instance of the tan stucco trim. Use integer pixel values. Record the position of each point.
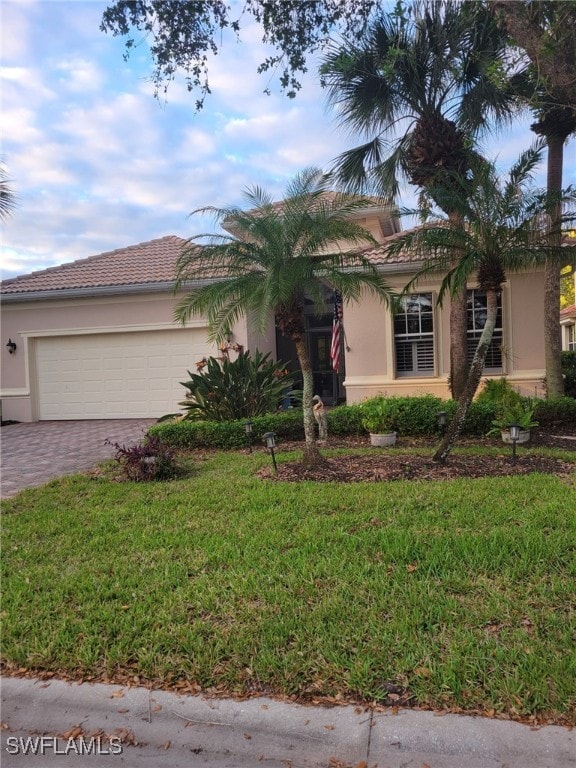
(387, 381)
(22, 392)
(113, 329)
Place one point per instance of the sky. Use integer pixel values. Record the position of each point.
(97, 163)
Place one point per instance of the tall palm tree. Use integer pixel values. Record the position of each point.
(420, 83)
(278, 254)
(555, 124)
(505, 228)
(546, 31)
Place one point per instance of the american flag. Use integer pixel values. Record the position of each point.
(336, 346)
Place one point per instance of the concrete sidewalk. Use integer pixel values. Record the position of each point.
(159, 728)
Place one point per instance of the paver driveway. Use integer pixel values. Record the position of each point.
(34, 453)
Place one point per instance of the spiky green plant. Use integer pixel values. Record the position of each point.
(226, 389)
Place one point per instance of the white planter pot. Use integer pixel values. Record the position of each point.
(383, 440)
(523, 437)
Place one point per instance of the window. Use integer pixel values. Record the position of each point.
(477, 313)
(414, 336)
(571, 338)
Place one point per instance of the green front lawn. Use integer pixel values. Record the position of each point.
(456, 593)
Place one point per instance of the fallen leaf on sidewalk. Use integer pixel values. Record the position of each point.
(125, 735)
(117, 695)
(247, 736)
(166, 745)
(329, 727)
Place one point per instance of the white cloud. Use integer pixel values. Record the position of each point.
(15, 34)
(98, 163)
(77, 74)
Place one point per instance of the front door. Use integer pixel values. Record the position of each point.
(326, 383)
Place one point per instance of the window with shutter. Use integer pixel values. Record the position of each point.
(477, 311)
(414, 336)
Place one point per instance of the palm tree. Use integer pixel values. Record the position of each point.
(505, 228)
(279, 254)
(555, 124)
(420, 83)
(546, 31)
(7, 197)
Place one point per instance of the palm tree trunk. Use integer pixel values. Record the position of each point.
(552, 332)
(312, 456)
(458, 332)
(458, 343)
(474, 376)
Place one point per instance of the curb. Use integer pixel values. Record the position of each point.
(121, 726)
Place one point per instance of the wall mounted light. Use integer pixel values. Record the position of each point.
(11, 346)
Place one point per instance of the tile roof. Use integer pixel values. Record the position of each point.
(568, 311)
(145, 263)
(380, 257)
(150, 262)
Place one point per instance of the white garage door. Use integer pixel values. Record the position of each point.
(116, 375)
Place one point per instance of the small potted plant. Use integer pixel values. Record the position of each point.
(380, 417)
(519, 412)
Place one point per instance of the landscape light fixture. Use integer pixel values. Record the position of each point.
(442, 415)
(269, 438)
(514, 436)
(11, 346)
(248, 432)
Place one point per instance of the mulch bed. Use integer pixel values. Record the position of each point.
(395, 464)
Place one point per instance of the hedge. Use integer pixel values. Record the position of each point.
(288, 425)
(557, 412)
(419, 417)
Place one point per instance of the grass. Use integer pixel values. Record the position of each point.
(457, 593)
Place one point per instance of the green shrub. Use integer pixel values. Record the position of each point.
(558, 412)
(417, 416)
(382, 415)
(479, 418)
(498, 391)
(345, 420)
(569, 373)
(227, 389)
(151, 459)
(407, 415)
(288, 425)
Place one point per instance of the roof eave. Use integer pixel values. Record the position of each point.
(96, 292)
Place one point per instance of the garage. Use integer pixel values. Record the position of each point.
(97, 339)
(115, 375)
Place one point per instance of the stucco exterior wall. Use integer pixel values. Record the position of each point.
(26, 322)
(370, 358)
(369, 338)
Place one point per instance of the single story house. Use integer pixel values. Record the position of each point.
(96, 338)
